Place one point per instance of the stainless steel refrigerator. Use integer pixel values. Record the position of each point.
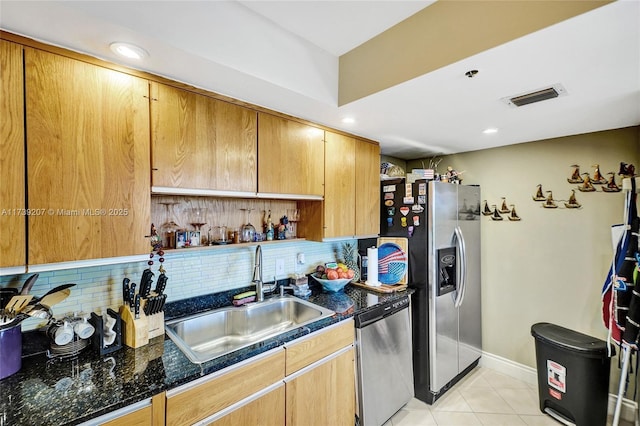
(442, 224)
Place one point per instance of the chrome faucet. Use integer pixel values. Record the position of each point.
(257, 274)
(261, 287)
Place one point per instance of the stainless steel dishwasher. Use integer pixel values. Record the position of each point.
(384, 364)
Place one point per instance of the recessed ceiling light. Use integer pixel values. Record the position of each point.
(128, 50)
(490, 130)
(348, 120)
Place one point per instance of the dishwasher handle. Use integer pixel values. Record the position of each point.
(380, 312)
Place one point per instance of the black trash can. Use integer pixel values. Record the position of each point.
(573, 374)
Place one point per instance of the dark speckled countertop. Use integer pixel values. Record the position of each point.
(71, 391)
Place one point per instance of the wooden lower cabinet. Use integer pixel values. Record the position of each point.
(205, 397)
(323, 394)
(144, 413)
(262, 410)
(140, 417)
(318, 388)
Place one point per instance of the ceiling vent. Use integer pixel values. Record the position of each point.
(536, 96)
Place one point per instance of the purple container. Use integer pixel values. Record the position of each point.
(10, 351)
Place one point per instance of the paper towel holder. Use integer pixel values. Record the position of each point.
(372, 267)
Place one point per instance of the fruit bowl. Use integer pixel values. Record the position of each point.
(332, 286)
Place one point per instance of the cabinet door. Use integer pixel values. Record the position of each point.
(367, 189)
(198, 401)
(202, 143)
(324, 395)
(12, 201)
(140, 417)
(266, 410)
(87, 160)
(290, 157)
(340, 186)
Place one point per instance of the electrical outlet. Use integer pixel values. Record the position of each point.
(300, 259)
(279, 267)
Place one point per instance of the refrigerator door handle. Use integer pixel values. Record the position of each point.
(462, 284)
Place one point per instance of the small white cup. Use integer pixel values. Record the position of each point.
(63, 334)
(84, 329)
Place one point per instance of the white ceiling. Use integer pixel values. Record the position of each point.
(283, 55)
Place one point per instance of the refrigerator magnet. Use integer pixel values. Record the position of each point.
(422, 199)
(389, 188)
(389, 222)
(404, 211)
(407, 200)
(417, 208)
(410, 231)
(403, 222)
(391, 211)
(388, 203)
(422, 189)
(416, 220)
(408, 190)
(388, 195)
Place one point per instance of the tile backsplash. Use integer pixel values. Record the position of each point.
(191, 272)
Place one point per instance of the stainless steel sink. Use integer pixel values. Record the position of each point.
(208, 335)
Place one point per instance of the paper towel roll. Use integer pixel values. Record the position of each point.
(372, 267)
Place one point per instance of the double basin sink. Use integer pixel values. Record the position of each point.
(211, 334)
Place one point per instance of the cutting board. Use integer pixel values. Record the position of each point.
(383, 288)
(403, 243)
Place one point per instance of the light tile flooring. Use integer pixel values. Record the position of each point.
(483, 397)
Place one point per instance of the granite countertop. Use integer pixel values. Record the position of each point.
(71, 391)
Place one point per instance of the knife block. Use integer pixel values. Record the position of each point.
(136, 331)
(156, 324)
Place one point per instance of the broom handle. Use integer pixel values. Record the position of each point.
(626, 350)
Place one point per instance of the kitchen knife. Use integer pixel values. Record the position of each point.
(147, 306)
(162, 302)
(145, 283)
(156, 304)
(161, 284)
(125, 291)
(137, 306)
(132, 295)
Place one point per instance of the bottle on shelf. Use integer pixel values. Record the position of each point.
(269, 228)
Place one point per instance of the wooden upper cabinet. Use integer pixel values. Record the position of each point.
(340, 186)
(12, 197)
(367, 167)
(201, 143)
(87, 160)
(290, 157)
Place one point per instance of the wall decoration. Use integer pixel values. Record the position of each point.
(598, 179)
(503, 206)
(539, 195)
(513, 216)
(586, 186)
(549, 202)
(495, 215)
(575, 176)
(572, 203)
(486, 211)
(608, 184)
(611, 184)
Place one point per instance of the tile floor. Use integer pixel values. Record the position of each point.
(484, 397)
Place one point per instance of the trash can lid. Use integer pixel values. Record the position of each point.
(569, 340)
